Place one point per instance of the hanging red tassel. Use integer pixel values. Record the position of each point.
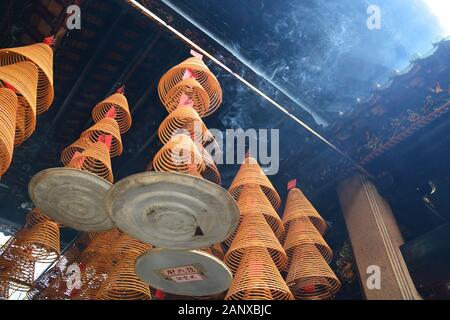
(121, 90)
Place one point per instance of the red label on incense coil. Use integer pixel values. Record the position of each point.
(79, 161)
(49, 40)
(292, 184)
(111, 113)
(310, 288)
(106, 140)
(185, 100)
(121, 90)
(9, 86)
(159, 295)
(257, 268)
(189, 74)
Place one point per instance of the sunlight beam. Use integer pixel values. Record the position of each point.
(441, 9)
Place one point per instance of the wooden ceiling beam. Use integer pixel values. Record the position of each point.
(130, 69)
(113, 30)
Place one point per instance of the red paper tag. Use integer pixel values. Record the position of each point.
(79, 162)
(309, 288)
(49, 40)
(9, 86)
(189, 74)
(121, 90)
(159, 295)
(292, 184)
(185, 100)
(106, 140)
(111, 113)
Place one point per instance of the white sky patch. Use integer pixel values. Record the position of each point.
(441, 9)
(3, 239)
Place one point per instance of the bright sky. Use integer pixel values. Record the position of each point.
(39, 269)
(441, 9)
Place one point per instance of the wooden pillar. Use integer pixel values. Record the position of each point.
(376, 241)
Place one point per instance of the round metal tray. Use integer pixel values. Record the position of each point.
(172, 210)
(72, 197)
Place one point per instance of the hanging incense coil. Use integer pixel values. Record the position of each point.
(94, 159)
(302, 232)
(105, 127)
(179, 155)
(68, 153)
(124, 284)
(194, 94)
(211, 172)
(27, 124)
(253, 200)
(17, 267)
(41, 55)
(119, 102)
(52, 293)
(298, 206)
(184, 120)
(257, 278)
(251, 173)
(127, 247)
(36, 216)
(42, 240)
(101, 244)
(309, 276)
(23, 77)
(94, 274)
(20, 137)
(8, 111)
(255, 232)
(200, 72)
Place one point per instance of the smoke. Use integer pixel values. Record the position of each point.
(320, 53)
